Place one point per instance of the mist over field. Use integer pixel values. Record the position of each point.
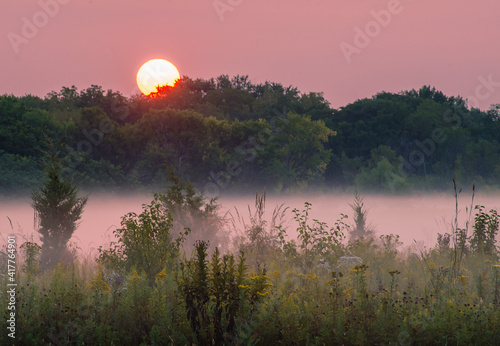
(416, 217)
(250, 173)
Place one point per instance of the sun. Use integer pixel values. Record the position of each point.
(156, 72)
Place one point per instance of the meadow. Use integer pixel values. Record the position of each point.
(178, 272)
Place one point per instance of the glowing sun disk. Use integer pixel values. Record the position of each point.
(156, 72)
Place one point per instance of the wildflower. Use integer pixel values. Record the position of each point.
(463, 280)
(495, 266)
(394, 272)
(311, 277)
(115, 280)
(243, 286)
(99, 284)
(161, 275)
(337, 275)
(135, 277)
(347, 291)
(359, 269)
(263, 294)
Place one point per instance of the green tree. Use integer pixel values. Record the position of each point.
(144, 241)
(382, 172)
(295, 154)
(57, 211)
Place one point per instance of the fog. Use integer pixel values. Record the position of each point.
(414, 218)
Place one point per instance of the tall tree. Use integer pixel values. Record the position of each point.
(57, 211)
(295, 154)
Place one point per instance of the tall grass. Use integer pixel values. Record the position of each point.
(316, 289)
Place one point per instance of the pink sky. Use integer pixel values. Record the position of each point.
(449, 44)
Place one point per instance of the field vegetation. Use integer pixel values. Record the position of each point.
(246, 281)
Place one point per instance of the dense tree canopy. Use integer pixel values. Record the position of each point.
(228, 133)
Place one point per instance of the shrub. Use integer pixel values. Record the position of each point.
(484, 231)
(144, 241)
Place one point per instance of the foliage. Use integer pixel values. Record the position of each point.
(31, 253)
(235, 134)
(317, 242)
(296, 154)
(385, 296)
(191, 210)
(259, 235)
(58, 209)
(360, 230)
(215, 292)
(485, 229)
(145, 241)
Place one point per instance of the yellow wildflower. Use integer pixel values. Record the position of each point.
(394, 272)
(311, 277)
(347, 291)
(161, 275)
(99, 284)
(136, 278)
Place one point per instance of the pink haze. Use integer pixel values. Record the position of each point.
(449, 44)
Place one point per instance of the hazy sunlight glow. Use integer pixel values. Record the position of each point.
(156, 72)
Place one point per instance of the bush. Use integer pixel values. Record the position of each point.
(144, 241)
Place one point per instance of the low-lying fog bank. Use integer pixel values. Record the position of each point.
(415, 217)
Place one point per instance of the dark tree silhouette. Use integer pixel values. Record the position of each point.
(57, 211)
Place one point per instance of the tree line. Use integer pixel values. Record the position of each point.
(228, 134)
